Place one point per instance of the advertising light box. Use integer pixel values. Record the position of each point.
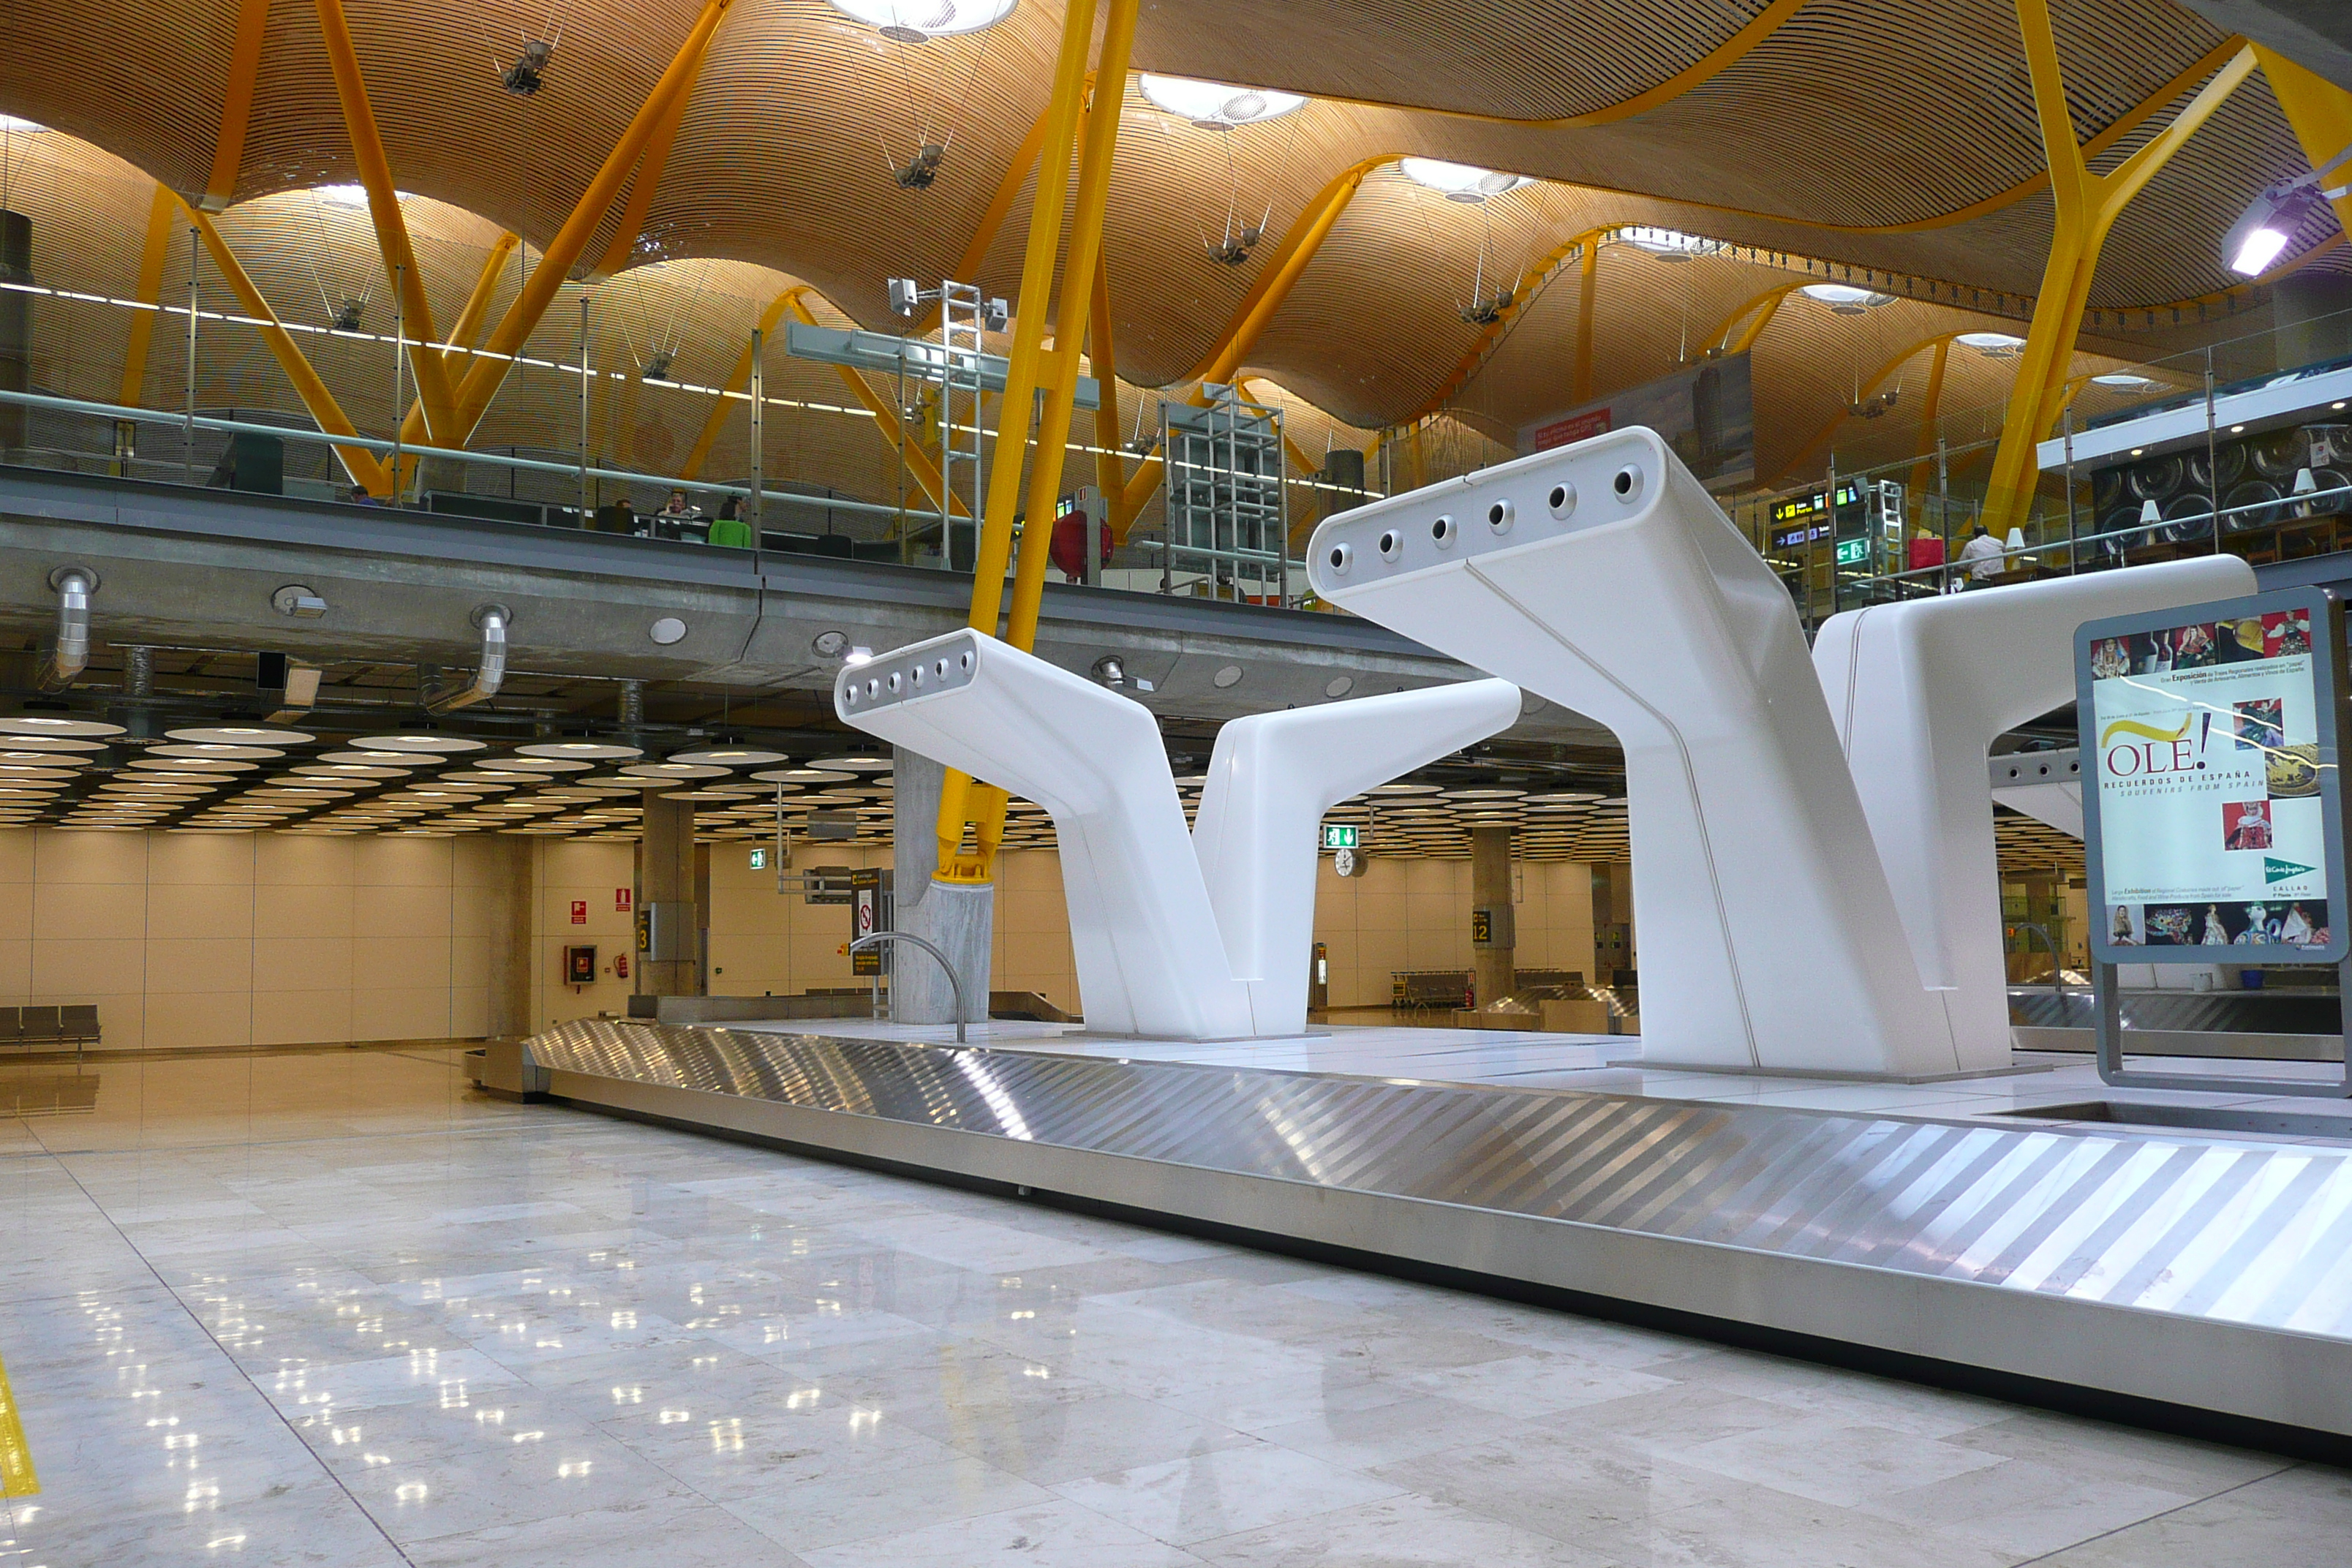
(2212, 799)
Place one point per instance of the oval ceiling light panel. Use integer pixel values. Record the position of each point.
(240, 735)
(43, 724)
(913, 21)
(1461, 181)
(1214, 105)
(582, 751)
(729, 756)
(419, 741)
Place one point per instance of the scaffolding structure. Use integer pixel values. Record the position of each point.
(1228, 529)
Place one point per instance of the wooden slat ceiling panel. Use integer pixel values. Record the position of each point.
(145, 81)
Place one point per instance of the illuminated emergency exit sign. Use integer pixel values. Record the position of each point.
(1339, 836)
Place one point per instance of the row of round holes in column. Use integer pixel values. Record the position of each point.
(1499, 516)
(896, 682)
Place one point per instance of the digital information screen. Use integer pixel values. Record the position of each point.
(2212, 795)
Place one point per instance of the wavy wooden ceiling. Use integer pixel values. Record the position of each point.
(1856, 113)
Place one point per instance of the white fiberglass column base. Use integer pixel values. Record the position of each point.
(1918, 691)
(1148, 909)
(1602, 576)
(1271, 779)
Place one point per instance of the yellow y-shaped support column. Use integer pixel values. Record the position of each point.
(1032, 368)
(2087, 207)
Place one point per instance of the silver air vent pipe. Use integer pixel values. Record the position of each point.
(490, 673)
(69, 656)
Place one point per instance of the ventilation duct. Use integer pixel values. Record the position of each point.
(490, 674)
(69, 655)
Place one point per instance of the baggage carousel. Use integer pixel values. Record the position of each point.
(2182, 1260)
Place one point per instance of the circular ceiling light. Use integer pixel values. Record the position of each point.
(1461, 181)
(673, 771)
(194, 765)
(350, 771)
(1669, 244)
(371, 760)
(729, 756)
(42, 725)
(852, 764)
(240, 735)
(1992, 345)
(1845, 299)
(912, 21)
(2125, 381)
(580, 751)
(419, 740)
(1214, 105)
(546, 764)
(234, 753)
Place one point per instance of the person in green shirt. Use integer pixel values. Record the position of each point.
(729, 527)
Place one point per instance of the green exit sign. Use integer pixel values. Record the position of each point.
(1339, 836)
(759, 859)
(1852, 552)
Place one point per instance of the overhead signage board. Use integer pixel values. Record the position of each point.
(1705, 412)
(2213, 817)
(1339, 836)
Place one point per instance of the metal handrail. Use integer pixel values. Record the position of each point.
(954, 983)
(410, 449)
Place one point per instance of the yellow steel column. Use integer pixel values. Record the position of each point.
(390, 229)
(1076, 308)
(1769, 302)
(1928, 416)
(490, 368)
(236, 104)
(648, 182)
(960, 800)
(1258, 307)
(738, 380)
(886, 420)
(1588, 283)
(1110, 477)
(2320, 113)
(2087, 206)
(358, 462)
(462, 331)
(161, 215)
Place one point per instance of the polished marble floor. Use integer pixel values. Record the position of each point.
(342, 1310)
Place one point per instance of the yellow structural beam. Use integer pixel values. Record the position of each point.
(1103, 359)
(359, 463)
(738, 380)
(236, 104)
(1031, 367)
(1074, 312)
(432, 387)
(1467, 365)
(1588, 297)
(467, 327)
(889, 421)
(490, 368)
(1928, 411)
(1257, 308)
(162, 213)
(2319, 112)
(1820, 437)
(2087, 207)
(648, 181)
(1765, 306)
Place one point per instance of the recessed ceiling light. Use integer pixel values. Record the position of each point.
(240, 735)
(1668, 244)
(1213, 106)
(1461, 181)
(41, 725)
(913, 21)
(729, 756)
(419, 740)
(21, 126)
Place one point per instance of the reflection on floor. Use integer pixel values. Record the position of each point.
(337, 1309)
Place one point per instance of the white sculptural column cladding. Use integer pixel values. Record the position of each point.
(1918, 690)
(1602, 576)
(1172, 939)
